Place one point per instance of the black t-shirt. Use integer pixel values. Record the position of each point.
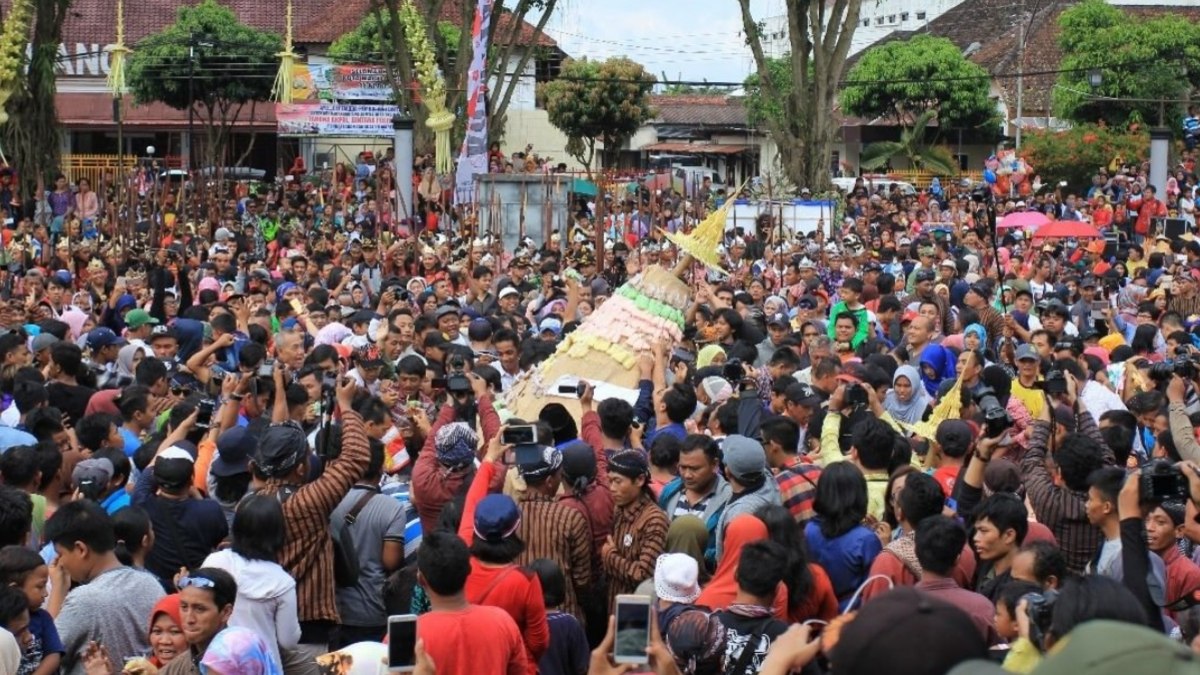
(739, 631)
(71, 399)
(185, 532)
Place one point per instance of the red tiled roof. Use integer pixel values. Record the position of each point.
(94, 111)
(94, 21)
(323, 28)
(697, 148)
(696, 110)
(316, 21)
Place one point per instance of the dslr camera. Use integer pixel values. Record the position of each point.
(457, 382)
(1162, 481)
(1185, 364)
(996, 419)
(1054, 383)
(856, 395)
(1040, 609)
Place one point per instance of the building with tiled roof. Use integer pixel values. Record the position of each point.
(85, 106)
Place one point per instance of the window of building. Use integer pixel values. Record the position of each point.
(866, 22)
(920, 16)
(879, 21)
(891, 18)
(904, 16)
(962, 161)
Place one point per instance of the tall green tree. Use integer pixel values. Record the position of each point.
(31, 136)
(234, 67)
(806, 91)
(900, 80)
(375, 39)
(1141, 61)
(913, 147)
(598, 101)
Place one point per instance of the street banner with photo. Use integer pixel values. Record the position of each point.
(331, 119)
(330, 82)
(472, 158)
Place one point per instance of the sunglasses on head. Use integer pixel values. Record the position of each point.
(188, 581)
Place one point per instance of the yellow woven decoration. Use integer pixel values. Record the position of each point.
(949, 408)
(118, 52)
(282, 90)
(702, 242)
(441, 124)
(433, 86)
(13, 38)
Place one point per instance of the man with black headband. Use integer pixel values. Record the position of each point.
(280, 467)
(553, 530)
(640, 528)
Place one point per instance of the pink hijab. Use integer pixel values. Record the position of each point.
(75, 318)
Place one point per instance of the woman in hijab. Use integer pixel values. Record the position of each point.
(689, 536)
(937, 364)
(127, 360)
(166, 632)
(239, 650)
(711, 355)
(907, 400)
(721, 591)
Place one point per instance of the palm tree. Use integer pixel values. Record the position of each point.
(911, 146)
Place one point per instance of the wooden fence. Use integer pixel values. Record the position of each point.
(93, 167)
(921, 178)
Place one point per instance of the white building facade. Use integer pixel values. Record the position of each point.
(877, 20)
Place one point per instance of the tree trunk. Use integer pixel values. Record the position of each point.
(31, 137)
(820, 41)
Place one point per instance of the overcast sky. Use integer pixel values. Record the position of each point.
(685, 39)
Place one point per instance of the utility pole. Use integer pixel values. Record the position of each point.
(1020, 76)
(187, 160)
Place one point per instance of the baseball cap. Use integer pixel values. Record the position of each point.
(43, 341)
(496, 517)
(1027, 352)
(174, 467)
(447, 310)
(550, 324)
(99, 338)
(233, 452)
(954, 436)
(92, 471)
(509, 290)
(925, 275)
(744, 457)
(779, 320)
(882, 635)
(1103, 647)
(136, 318)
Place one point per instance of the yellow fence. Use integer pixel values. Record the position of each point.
(94, 167)
(921, 178)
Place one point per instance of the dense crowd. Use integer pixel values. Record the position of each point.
(241, 431)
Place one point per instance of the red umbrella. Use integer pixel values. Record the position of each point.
(1022, 219)
(1067, 229)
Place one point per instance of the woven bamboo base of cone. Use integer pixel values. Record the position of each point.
(531, 393)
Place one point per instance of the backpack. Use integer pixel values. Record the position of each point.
(345, 558)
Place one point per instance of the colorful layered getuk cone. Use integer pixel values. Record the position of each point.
(604, 349)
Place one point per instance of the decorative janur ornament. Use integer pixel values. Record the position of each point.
(13, 38)
(118, 50)
(282, 91)
(433, 86)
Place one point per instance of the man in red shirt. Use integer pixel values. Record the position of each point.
(1163, 526)
(443, 565)
(1151, 207)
